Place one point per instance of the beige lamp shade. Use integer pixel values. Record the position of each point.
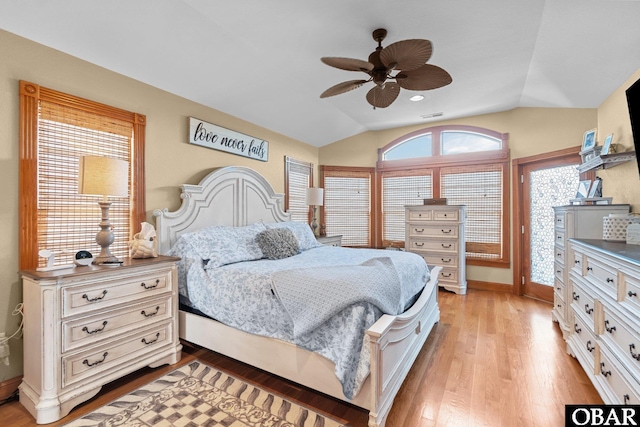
(103, 176)
(314, 196)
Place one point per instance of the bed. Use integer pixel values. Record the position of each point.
(240, 199)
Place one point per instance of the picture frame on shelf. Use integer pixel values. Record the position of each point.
(606, 146)
(596, 188)
(589, 140)
(583, 189)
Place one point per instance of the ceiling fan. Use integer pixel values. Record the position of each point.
(407, 57)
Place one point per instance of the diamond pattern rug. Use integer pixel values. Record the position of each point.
(199, 395)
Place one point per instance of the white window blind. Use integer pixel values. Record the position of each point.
(480, 189)
(68, 221)
(299, 176)
(347, 207)
(397, 191)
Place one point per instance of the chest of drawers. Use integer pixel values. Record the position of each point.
(604, 281)
(87, 326)
(436, 232)
(574, 221)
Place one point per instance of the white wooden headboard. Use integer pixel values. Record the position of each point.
(232, 195)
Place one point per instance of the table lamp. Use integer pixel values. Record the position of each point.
(314, 197)
(104, 176)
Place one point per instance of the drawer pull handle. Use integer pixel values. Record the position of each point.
(419, 231)
(97, 362)
(104, 325)
(446, 260)
(446, 232)
(559, 237)
(421, 244)
(609, 280)
(603, 372)
(575, 297)
(589, 268)
(155, 285)
(590, 347)
(634, 355)
(626, 398)
(576, 262)
(577, 329)
(144, 340)
(446, 246)
(144, 313)
(558, 271)
(587, 309)
(609, 329)
(559, 254)
(98, 298)
(632, 294)
(446, 275)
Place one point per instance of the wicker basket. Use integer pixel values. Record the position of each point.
(614, 229)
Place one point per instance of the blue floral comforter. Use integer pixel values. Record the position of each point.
(240, 295)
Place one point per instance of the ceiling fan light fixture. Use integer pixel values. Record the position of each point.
(407, 57)
(416, 98)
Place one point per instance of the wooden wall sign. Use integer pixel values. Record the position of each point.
(218, 138)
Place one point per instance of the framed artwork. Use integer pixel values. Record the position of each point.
(596, 188)
(606, 147)
(583, 189)
(589, 140)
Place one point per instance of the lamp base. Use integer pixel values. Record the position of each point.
(105, 238)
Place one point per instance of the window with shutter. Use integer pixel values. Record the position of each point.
(347, 204)
(400, 188)
(56, 130)
(298, 177)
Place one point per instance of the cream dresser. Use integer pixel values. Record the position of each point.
(86, 326)
(574, 221)
(604, 285)
(436, 232)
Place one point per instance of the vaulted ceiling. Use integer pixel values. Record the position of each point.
(260, 60)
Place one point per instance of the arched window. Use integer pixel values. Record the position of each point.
(464, 164)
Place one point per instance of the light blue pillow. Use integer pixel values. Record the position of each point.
(222, 245)
(302, 231)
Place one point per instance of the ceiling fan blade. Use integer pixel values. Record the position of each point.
(406, 55)
(348, 64)
(342, 88)
(426, 77)
(383, 97)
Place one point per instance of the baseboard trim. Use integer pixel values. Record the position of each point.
(489, 286)
(8, 387)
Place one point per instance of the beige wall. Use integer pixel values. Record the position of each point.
(531, 131)
(170, 160)
(623, 181)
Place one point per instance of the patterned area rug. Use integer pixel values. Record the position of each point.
(199, 395)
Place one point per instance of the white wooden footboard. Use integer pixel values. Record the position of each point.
(395, 343)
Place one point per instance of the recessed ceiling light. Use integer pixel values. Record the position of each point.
(416, 98)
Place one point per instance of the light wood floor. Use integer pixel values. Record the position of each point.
(493, 360)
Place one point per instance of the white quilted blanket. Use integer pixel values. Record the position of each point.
(313, 295)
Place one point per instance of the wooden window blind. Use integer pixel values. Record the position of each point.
(347, 205)
(399, 189)
(298, 177)
(56, 130)
(480, 188)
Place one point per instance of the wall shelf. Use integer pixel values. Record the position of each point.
(606, 161)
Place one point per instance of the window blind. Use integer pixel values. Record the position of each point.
(398, 190)
(480, 189)
(347, 206)
(299, 177)
(68, 221)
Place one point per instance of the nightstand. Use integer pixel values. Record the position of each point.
(330, 240)
(87, 326)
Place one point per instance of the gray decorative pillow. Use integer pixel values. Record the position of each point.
(277, 243)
